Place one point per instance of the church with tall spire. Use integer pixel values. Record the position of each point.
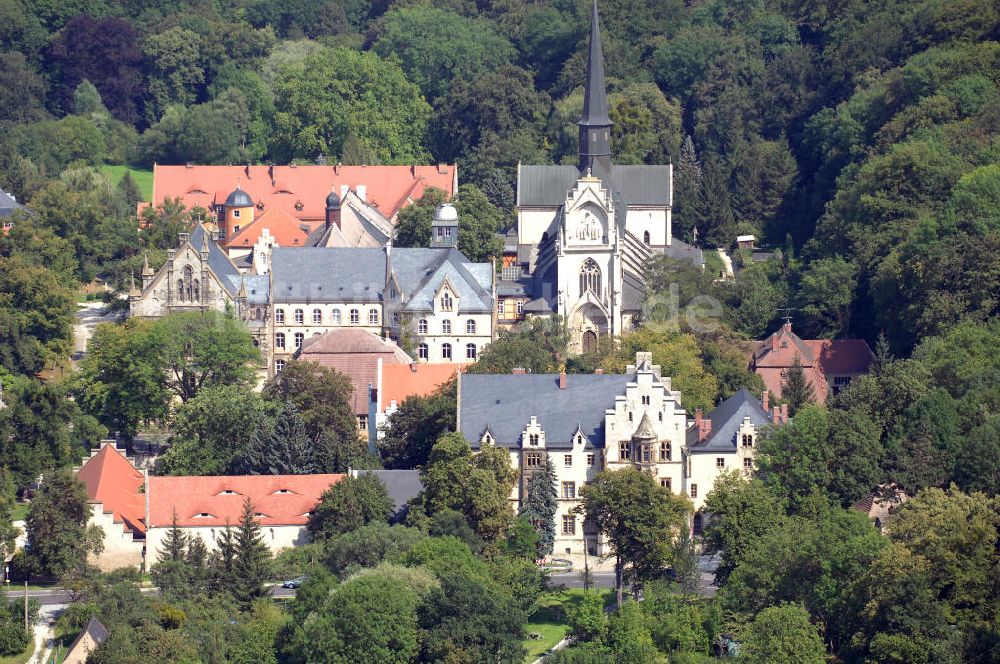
(585, 232)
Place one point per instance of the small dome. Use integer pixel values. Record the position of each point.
(332, 200)
(239, 198)
(446, 212)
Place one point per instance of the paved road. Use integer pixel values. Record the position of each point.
(45, 597)
(574, 580)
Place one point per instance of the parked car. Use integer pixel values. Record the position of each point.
(294, 583)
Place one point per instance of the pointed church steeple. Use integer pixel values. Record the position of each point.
(595, 124)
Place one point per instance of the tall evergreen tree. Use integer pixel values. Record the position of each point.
(223, 564)
(197, 556)
(174, 544)
(541, 504)
(795, 388)
(252, 558)
(281, 448)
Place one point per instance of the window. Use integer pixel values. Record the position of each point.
(660, 415)
(470, 326)
(645, 400)
(335, 316)
(422, 326)
(422, 352)
(395, 319)
(630, 416)
(445, 351)
(590, 277)
(748, 464)
(279, 340)
(317, 316)
(568, 524)
(720, 462)
(363, 422)
(520, 307)
(236, 213)
(446, 327)
(532, 459)
(569, 489)
(646, 454)
(590, 461)
(299, 317)
(694, 490)
(533, 439)
(623, 451)
(645, 238)
(747, 440)
(840, 383)
(664, 451)
(665, 483)
(373, 317)
(299, 337)
(470, 351)
(446, 302)
(568, 460)
(279, 315)
(355, 317)
(499, 306)
(279, 365)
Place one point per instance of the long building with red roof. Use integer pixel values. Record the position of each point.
(136, 511)
(300, 191)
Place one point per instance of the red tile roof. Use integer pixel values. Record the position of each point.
(278, 500)
(354, 353)
(401, 381)
(388, 188)
(111, 479)
(284, 228)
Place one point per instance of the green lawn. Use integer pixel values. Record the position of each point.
(549, 620)
(19, 512)
(713, 262)
(142, 178)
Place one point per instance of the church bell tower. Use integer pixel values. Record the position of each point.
(595, 124)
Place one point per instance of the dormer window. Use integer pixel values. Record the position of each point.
(645, 400)
(202, 515)
(228, 492)
(487, 439)
(446, 302)
(283, 492)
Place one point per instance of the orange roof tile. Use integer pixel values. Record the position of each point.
(112, 480)
(401, 381)
(388, 188)
(283, 227)
(278, 500)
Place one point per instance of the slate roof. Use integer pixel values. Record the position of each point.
(402, 485)
(504, 403)
(357, 274)
(681, 250)
(217, 260)
(726, 420)
(546, 186)
(98, 634)
(8, 205)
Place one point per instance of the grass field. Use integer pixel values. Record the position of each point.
(549, 620)
(142, 178)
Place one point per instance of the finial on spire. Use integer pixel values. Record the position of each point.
(146, 271)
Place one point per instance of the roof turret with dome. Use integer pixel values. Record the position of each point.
(239, 199)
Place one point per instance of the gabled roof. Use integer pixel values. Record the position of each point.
(354, 353)
(402, 381)
(422, 271)
(8, 205)
(635, 185)
(111, 479)
(218, 261)
(212, 501)
(98, 634)
(389, 188)
(286, 230)
(726, 420)
(505, 402)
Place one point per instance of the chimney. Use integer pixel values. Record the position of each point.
(774, 341)
(787, 326)
(413, 367)
(706, 428)
(336, 168)
(697, 420)
(784, 413)
(765, 401)
(362, 191)
(562, 380)
(442, 168)
(598, 371)
(519, 371)
(247, 171)
(270, 173)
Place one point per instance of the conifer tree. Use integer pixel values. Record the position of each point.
(281, 448)
(197, 556)
(174, 544)
(252, 561)
(540, 506)
(795, 388)
(224, 560)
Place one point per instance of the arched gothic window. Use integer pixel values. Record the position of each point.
(187, 286)
(590, 277)
(645, 238)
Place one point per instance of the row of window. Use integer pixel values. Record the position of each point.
(423, 351)
(422, 327)
(501, 304)
(534, 460)
(643, 453)
(354, 315)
